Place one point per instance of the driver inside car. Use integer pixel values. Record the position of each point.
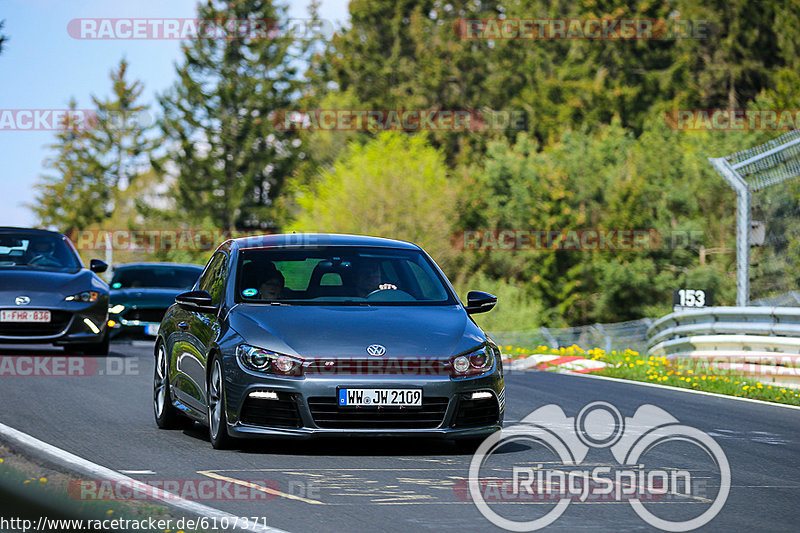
(368, 279)
(42, 252)
(272, 286)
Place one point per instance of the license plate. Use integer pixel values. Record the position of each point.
(380, 397)
(151, 329)
(28, 315)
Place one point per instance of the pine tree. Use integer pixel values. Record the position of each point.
(96, 158)
(231, 161)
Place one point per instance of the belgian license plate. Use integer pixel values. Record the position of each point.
(380, 397)
(151, 329)
(29, 315)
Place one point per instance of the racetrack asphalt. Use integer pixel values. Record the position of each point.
(399, 484)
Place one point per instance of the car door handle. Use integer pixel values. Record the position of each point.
(183, 325)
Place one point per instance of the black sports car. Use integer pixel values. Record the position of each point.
(47, 296)
(339, 335)
(142, 292)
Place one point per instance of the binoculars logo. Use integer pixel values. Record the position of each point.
(598, 425)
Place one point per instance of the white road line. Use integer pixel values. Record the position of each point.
(137, 472)
(681, 389)
(83, 466)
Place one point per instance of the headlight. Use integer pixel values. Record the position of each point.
(266, 361)
(461, 364)
(117, 309)
(85, 296)
(473, 364)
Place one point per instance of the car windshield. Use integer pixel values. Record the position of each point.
(37, 251)
(339, 276)
(168, 277)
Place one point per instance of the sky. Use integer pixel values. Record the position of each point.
(42, 67)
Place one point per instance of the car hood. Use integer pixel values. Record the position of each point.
(345, 331)
(45, 287)
(145, 297)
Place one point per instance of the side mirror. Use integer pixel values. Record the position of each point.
(480, 302)
(196, 301)
(98, 266)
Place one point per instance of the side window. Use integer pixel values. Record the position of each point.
(213, 279)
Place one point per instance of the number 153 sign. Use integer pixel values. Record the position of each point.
(690, 298)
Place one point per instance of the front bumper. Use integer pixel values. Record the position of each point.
(71, 323)
(306, 407)
(136, 321)
(118, 326)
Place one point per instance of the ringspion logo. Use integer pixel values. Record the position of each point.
(551, 485)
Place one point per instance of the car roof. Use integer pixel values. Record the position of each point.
(150, 264)
(11, 229)
(317, 239)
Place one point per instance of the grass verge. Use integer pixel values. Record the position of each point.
(629, 364)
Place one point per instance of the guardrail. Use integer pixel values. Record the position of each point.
(617, 336)
(771, 321)
(759, 342)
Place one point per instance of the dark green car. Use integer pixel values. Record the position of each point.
(142, 292)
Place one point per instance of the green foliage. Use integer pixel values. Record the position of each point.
(395, 186)
(596, 152)
(516, 310)
(660, 182)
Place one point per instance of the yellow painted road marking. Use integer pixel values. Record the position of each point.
(255, 486)
(397, 496)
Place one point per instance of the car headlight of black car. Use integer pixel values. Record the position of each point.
(85, 297)
(473, 364)
(116, 309)
(260, 360)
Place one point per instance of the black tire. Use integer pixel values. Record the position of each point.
(167, 416)
(217, 420)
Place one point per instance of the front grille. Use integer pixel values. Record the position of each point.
(280, 413)
(476, 413)
(377, 366)
(328, 414)
(58, 322)
(145, 315)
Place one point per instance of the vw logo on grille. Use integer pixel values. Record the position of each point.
(376, 350)
(22, 300)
